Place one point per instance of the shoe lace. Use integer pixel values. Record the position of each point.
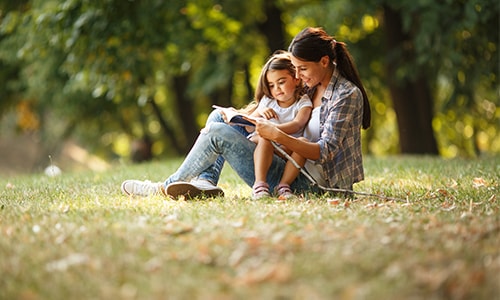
(146, 187)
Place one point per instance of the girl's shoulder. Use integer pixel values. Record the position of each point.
(304, 101)
(265, 101)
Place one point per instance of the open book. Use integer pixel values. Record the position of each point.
(235, 117)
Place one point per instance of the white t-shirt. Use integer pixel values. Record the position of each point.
(286, 114)
(311, 132)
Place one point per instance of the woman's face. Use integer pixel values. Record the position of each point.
(311, 73)
(282, 85)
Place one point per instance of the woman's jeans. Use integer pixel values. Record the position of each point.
(219, 142)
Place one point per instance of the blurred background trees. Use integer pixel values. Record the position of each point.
(136, 79)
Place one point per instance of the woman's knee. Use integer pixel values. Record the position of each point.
(215, 116)
(217, 129)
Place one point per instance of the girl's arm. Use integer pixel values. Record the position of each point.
(298, 123)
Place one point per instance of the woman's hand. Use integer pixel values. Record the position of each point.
(266, 129)
(270, 131)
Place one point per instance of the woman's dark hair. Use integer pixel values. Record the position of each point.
(311, 44)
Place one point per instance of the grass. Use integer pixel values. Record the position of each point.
(76, 237)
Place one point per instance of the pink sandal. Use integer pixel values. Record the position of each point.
(284, 191)
(260, 190)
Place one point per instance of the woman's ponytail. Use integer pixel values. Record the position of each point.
(347, 69)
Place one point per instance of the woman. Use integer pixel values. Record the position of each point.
(340, 110)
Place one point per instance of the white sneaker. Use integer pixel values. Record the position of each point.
(193, 189)
(140, 188)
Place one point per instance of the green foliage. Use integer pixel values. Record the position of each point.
(456, 46)
(98, 65)
(77, 236)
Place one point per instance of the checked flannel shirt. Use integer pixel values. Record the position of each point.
(340, 133)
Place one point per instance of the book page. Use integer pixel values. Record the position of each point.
(235, 117)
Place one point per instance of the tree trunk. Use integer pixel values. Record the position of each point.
(272, 27)
(185, 107)
(411, 96)
(167, 130)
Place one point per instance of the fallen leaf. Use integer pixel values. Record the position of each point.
(492, 198)
(66, 262)
(479, 182)
(278, 272)
(335, 201)
(281, 198)
(253, 241)
(453, 184)
(175, 227)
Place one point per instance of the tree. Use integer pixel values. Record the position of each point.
(113, 70)
(433, 57)
(410, 90)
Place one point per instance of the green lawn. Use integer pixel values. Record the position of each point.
(76, 236)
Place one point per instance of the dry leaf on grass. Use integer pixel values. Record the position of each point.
(273, 272)
(65, 263)
(175, 227)
(479, 182)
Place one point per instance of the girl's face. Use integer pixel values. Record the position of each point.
(311, 73)
(282, 85)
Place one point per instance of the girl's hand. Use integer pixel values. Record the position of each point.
(224, 117)
(268, 113)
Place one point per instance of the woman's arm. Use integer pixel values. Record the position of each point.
(302, 147)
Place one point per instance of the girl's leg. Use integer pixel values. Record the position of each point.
(263, 157)
(291, 172)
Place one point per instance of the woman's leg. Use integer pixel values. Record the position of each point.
(215, 140)
(212, 173)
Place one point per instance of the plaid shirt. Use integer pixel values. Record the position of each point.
(340, 133)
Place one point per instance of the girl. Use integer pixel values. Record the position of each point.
(283, 101)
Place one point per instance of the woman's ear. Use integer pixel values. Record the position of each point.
(325, 61)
